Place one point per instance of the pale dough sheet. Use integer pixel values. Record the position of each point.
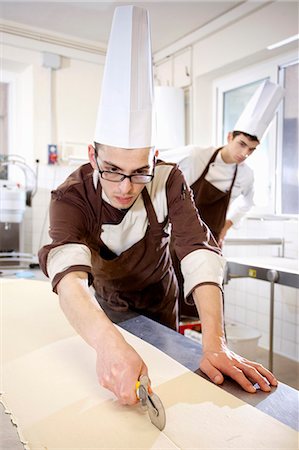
(49, 385)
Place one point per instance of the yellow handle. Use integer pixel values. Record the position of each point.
(137, 388)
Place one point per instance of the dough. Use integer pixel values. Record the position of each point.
(50, 388)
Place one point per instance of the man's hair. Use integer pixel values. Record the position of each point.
(97, 147)
(249, 136)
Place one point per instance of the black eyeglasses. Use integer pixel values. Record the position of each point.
(117, 177)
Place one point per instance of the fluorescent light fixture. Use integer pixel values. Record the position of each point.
(284, 42)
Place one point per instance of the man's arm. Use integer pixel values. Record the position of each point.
(228, 224)
(217, 359)
(118, 364)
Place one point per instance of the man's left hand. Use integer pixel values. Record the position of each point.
(246, 373)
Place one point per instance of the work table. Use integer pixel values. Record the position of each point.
(281, 403)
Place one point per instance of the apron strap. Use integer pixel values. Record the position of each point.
(151, 213)
(212, 159)
(233, 181)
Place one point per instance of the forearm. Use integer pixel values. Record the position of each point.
(228, 224)
(209, 303)
(118, 365)
(82, 310)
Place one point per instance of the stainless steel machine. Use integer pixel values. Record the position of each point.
(17, 190)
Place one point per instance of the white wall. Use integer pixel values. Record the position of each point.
(235, 48)
(48, 107)
(246, 37)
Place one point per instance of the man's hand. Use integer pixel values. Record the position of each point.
(244, 372)
(118, 364)
(228, 224)
(119, 367)
(217, 359)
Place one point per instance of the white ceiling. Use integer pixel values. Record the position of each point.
(170, 20)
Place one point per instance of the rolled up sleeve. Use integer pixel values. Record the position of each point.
(202, 267)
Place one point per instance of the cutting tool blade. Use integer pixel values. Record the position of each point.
(151, 402)
(157, 412)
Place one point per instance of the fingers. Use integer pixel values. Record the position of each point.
(246, 373)
(220, 243)
(121, 380)
(256, 373)
(127, 394)
(265, 373)
(214, 374)
(238, 375)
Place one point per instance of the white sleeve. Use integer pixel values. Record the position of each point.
(63, 257)
(242, 204)
(202, 266)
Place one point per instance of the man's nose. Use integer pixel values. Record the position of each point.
(125, 185)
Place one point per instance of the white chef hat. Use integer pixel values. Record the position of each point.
(260, 109)
(125, 114)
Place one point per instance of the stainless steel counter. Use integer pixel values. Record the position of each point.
(263, 268)
(282, 402)
(275, 270)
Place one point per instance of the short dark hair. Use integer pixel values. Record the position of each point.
(249, 136)
(96, 147)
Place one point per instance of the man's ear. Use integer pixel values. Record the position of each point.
(92, 156)
(230, 136)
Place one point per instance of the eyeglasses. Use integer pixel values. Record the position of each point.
(117, 177)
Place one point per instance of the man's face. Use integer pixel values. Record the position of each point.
(122, 194)
(239, 148)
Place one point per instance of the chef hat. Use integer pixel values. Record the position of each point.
(260, 109)
(125, 114)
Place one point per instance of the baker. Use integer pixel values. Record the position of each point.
(221, 181)
(109, 227)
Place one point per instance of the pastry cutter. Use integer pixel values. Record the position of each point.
(150, 402)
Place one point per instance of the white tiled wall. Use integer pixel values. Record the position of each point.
(247, 300)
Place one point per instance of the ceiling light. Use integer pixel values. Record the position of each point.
(284, 42)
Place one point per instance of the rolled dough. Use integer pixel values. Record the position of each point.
(49, 386)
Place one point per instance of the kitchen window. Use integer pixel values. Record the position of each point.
(275, 162)
(232, 103)
(287, 201)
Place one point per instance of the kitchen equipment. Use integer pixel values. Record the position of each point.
(151, 402)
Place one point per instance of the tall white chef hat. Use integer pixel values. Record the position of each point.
(260, 109)
(125, 114)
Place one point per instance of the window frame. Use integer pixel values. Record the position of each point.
(278, 184)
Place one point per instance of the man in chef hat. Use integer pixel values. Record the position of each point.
(109, 223)
(222, 185)
(218, 177)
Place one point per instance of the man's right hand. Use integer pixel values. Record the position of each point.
(118, 364)
(119, 367)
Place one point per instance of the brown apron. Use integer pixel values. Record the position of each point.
(212, 204)
(141, 278)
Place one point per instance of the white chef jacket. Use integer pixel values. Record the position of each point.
(192, 160)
